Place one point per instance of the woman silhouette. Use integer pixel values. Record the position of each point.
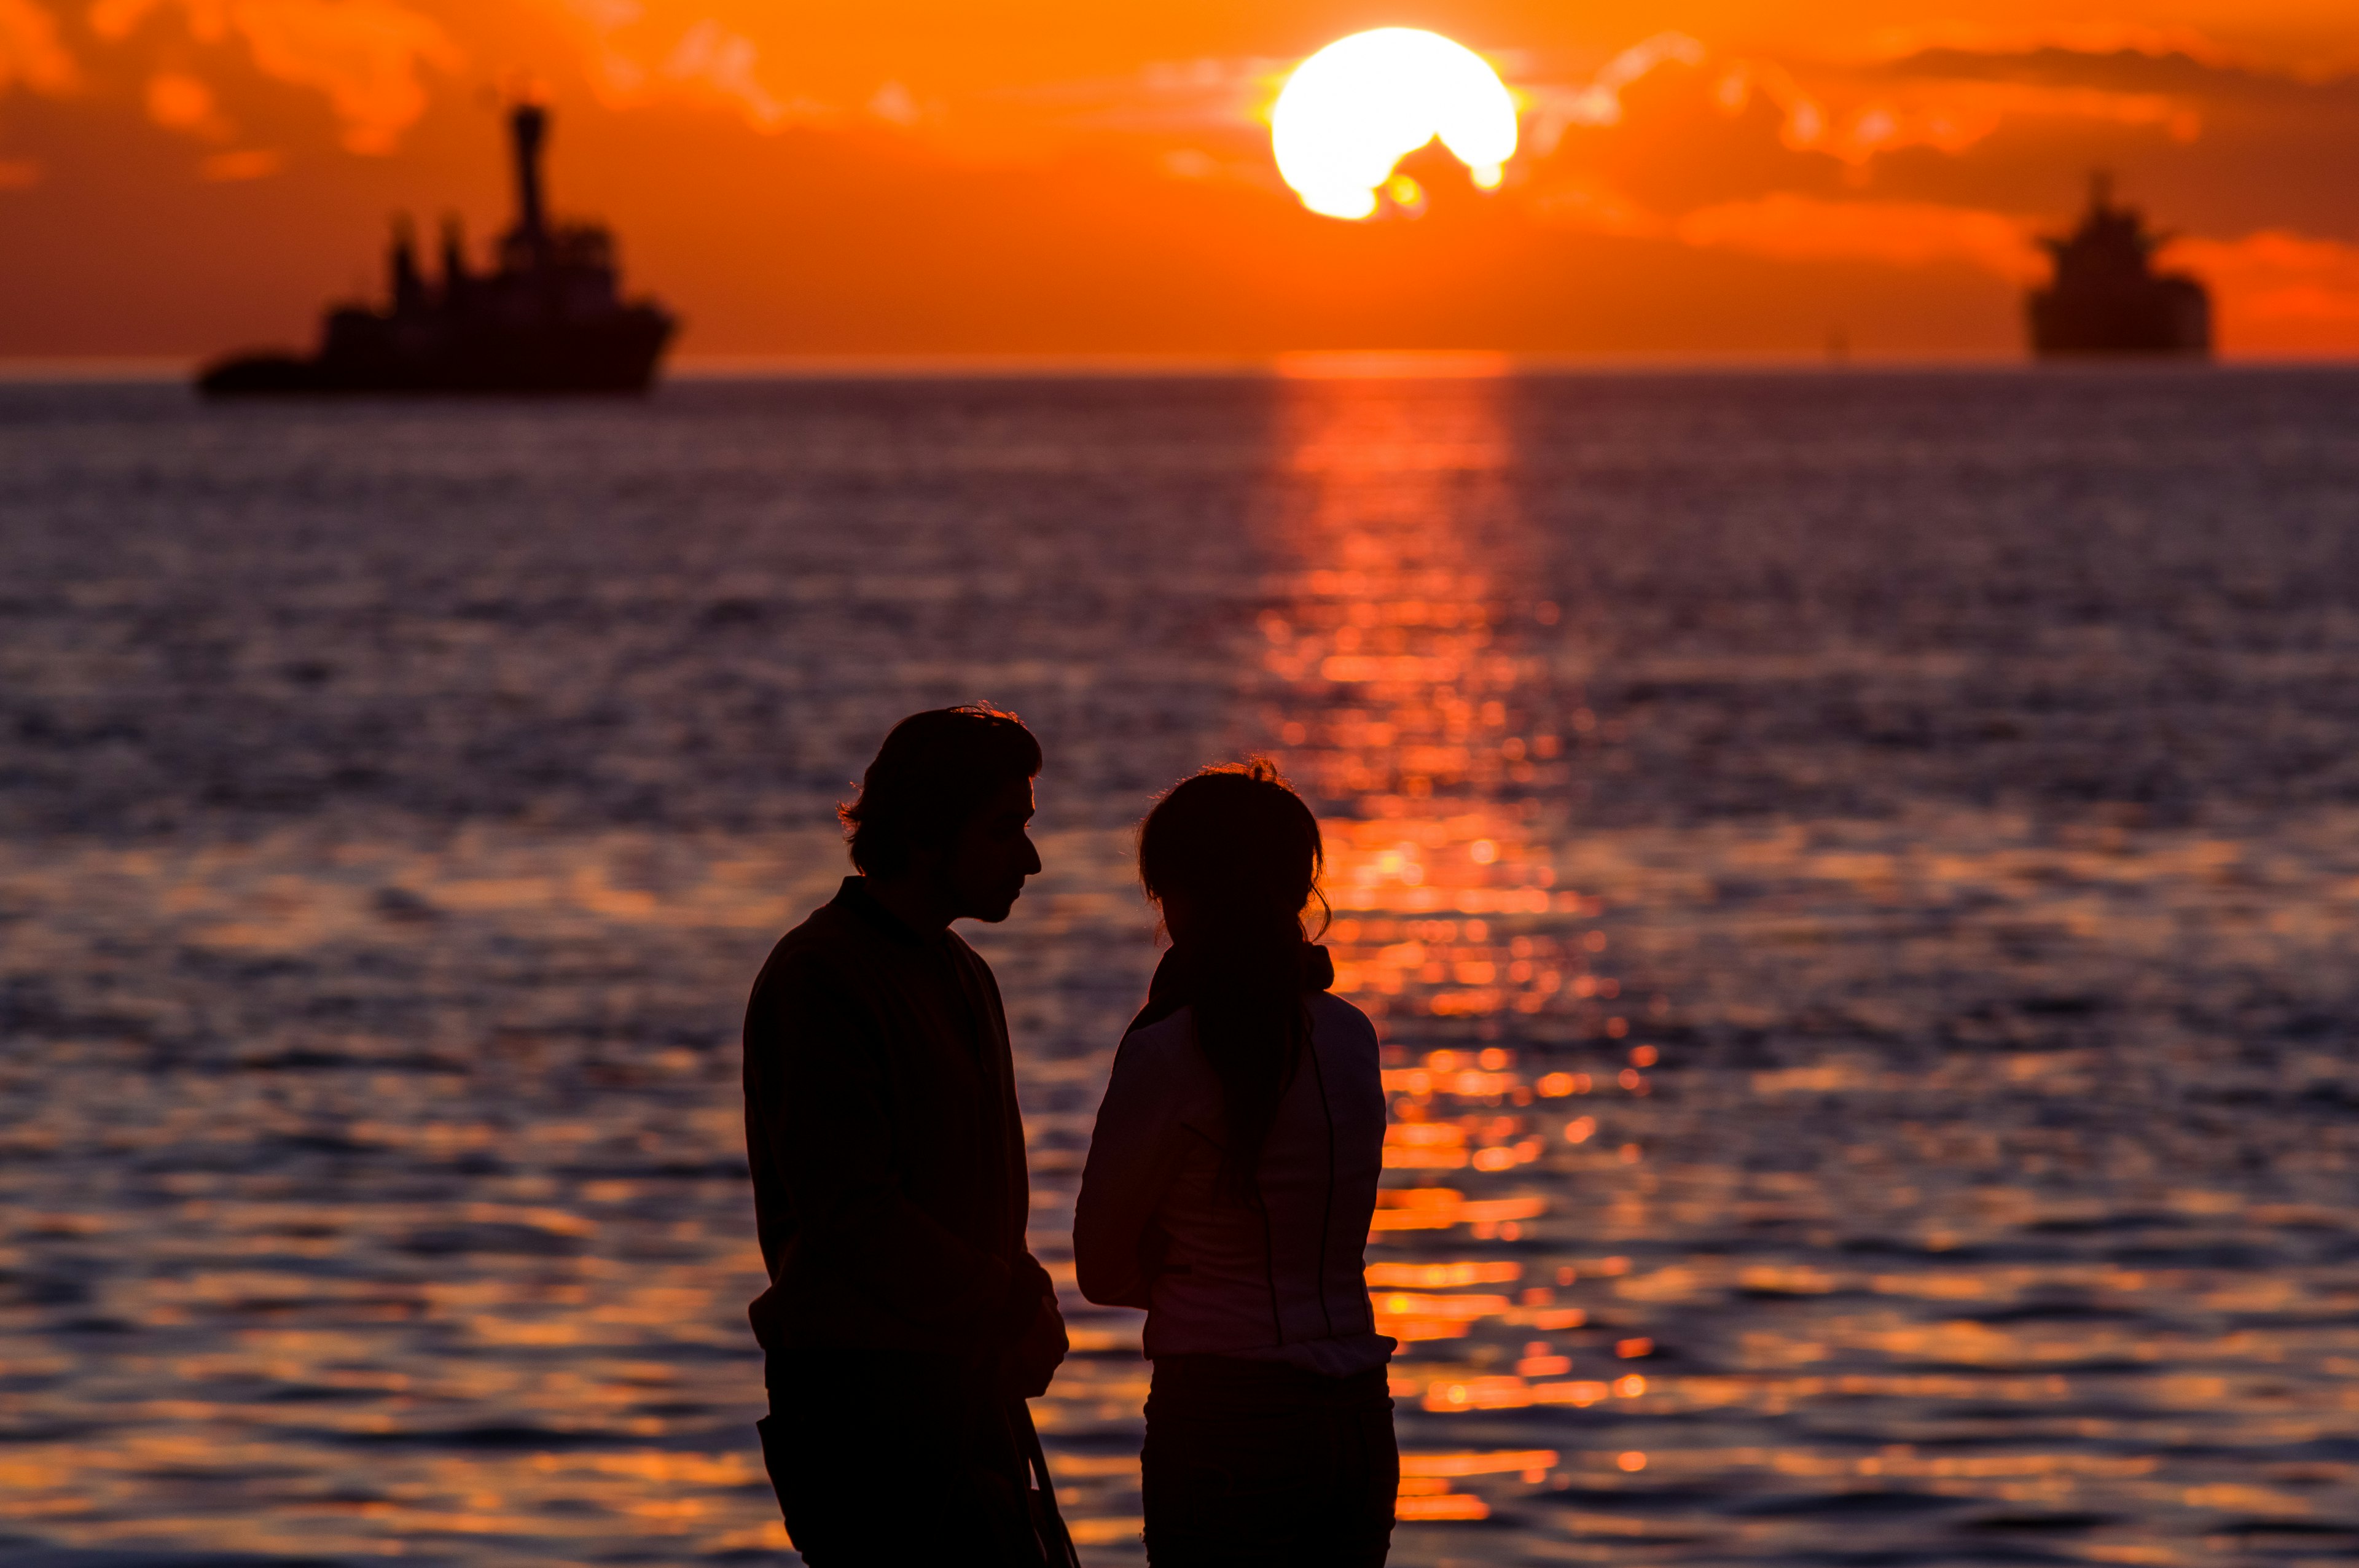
(1228, 1192)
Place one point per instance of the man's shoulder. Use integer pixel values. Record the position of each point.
(828, 931)
(962, 954)
(825, 953)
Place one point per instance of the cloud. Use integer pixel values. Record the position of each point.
(254, 162)
(2085, 37)
(2278, 289)
(19, 174)
(115, 21)
(1943, 100)
(29, 50)
(632, 62)
(607, 15)
(1589, 205)
(1788, 227)
(1950, 116)
(892, 104)
(1227, 99)
(725, 65)
(1855, 120)
(178, 102)
(1598, 102)
(365, 55)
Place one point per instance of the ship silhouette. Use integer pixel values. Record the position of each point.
(2107, 298)
(549, 317)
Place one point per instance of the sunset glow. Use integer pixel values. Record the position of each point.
(1353, 111)
(938, 180)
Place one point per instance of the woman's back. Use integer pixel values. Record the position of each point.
(1278, 1275)
(1229, 1188)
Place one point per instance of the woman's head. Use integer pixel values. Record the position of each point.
(1233, 856)
(1232, 853)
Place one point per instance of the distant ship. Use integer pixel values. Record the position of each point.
(549, 318)
(2107, 298)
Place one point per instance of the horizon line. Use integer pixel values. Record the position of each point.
(1311, 364)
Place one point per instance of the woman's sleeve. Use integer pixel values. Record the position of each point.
(1134, 1154)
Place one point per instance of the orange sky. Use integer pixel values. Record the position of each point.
(179, 177)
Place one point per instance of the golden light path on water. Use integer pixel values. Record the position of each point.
(1406, 696)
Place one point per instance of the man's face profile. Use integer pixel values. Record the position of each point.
(984, 871)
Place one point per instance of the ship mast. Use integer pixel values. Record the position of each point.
(529, 125)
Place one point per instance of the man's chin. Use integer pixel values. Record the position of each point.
(993, 913)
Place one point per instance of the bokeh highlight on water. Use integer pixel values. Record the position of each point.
(1854, 874)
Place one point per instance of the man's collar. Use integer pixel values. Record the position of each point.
(854, 896)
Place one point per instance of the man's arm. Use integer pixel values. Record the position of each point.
(1134, 1154)
(1037, 1342)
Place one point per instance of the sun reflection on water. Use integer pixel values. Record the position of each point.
(1408, 689)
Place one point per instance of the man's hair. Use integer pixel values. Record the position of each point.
(935, 771)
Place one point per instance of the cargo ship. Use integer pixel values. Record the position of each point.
(2106, 296)
(548, 317)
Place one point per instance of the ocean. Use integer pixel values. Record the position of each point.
(1855, 872)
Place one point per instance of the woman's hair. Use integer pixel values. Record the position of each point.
(1239, 852)
(935, 770)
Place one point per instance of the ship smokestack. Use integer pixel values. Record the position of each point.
(401, 262)
(528, 123)
(454, 250)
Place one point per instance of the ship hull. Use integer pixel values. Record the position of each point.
(2158, 317)
(617, 356)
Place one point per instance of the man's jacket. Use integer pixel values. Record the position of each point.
(886, 1149)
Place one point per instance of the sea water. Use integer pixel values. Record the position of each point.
(1856, 873)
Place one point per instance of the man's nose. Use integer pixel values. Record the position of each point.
(1031, 857)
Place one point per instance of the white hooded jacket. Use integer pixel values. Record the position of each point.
(1281, 1280)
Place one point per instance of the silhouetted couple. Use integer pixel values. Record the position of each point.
(1228, 1190)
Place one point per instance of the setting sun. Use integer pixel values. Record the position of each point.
(1353, 111)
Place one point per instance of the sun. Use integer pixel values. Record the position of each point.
(1357, 107)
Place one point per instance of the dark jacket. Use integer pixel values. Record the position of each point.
(888, 1153)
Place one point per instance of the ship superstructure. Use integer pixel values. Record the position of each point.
(2106, 296)
(548, 317)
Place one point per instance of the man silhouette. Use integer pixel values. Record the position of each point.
(906, 1324)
